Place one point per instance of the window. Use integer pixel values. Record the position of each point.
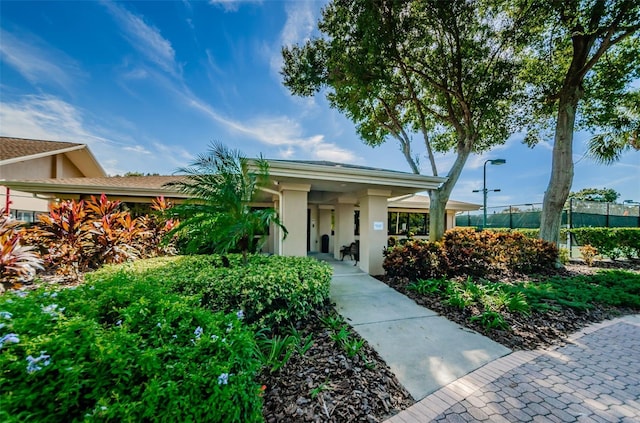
(403, 223)
(25, 216)
(356, 222)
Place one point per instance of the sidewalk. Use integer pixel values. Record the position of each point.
(424, 350)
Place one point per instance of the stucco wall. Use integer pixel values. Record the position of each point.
(45, 167)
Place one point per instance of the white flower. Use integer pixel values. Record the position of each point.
(214, 337)
(36, 364)
(223, 379)
(6, 315)
(198, 332)
(53, 310)
(10, 338)
(240, 314)
(119, 322)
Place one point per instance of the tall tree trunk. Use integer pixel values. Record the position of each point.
(438, 198)
(562, 165)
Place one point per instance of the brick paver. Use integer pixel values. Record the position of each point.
(595, 377)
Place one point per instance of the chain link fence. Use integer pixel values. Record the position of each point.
(577, 214)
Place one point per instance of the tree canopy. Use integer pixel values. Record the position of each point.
(601, 195)
(580, 63)
(442, 71)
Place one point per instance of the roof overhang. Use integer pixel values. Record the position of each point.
(327, 182)
(73, 187)
(422, 202)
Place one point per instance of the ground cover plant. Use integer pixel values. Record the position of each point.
(123, 350)
(531, 311)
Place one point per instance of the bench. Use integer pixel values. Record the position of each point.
(352, 250)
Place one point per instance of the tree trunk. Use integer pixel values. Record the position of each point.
(438, 198)
(562, 166)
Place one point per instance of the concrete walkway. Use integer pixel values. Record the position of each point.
(424, 350)
(595, 377)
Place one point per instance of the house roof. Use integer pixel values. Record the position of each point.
(136, 186)
(422, 202)
(325, 181)
(14, 150)
(329, 178)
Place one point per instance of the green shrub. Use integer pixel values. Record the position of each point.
(610, 242)
(467, 252)
(270, 290)
(124, 349)
(416, 259)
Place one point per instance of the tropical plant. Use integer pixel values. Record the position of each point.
(222, 185)
(17, 262)
(622, 132)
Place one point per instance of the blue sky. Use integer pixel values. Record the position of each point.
(148, 85)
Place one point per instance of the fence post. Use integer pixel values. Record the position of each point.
(510, 219)
(570, 236)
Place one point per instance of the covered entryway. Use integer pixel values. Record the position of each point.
(320, 198)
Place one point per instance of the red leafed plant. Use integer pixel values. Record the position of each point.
(18, 263)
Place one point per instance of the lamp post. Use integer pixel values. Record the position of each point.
(485, 190)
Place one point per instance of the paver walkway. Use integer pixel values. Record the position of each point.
(595, 377)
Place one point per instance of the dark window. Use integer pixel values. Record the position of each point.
(356, 222)
(403, 223)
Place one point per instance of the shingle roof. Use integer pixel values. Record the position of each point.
(139, 182)
(11, 148)
(327, 163)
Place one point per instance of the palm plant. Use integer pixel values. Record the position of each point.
(608, 147)
(222, 186)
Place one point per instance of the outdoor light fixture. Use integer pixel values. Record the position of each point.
(485, 190)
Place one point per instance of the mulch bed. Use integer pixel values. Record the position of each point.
(539, 329)
(325, 385)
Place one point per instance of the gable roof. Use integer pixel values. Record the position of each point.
(14, 150)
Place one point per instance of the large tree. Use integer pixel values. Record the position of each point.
(440, 70)
(582, 58)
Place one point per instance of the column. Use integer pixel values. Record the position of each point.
(294, 218)
(373, 230)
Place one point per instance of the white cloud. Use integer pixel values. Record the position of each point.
(37, 61)
(145, 38)
(137, 73)
(301, 21)
(278, 131)
(49, 118)
(300, 24)
(231, 5)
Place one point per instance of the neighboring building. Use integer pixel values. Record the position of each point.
(343, 202)
(36, 159)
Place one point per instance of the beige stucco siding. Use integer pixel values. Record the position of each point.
(41, 168)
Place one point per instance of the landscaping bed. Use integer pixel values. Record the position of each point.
(540, 327)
